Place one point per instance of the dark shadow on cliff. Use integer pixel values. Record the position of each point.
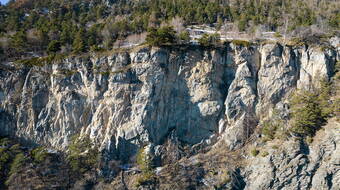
(172, 110)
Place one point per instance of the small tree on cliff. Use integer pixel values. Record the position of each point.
(54, 46)
(162, 36)
(82, 154)
(209, 40)
(310, 109)
(145, 165)
(79, 44)
(184, 37)
(306, 113)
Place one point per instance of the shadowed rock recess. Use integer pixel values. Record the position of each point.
(127, 100)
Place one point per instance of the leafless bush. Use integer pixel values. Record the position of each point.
(258, 31)
(53, 35)
(136, 38)
(65, 49)
(33, 35)
(301, 31)
(4, 42)
(153, 20)
(118, 43)
(35, 38)
(107, 36)
(228, 27)
(177, 23)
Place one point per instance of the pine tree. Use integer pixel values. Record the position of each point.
(19, 41)
(53, 46)
(324, 98)
(79, 42)
(184, 36)
(242, 23)
(162, 36)
(208, 40)
(306, 114)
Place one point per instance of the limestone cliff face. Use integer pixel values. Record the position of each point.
(298, 165)
(129, 99)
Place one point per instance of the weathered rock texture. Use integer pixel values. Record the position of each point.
(297, 165)
(197, 96)
(129, 99)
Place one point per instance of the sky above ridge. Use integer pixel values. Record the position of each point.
(3, 1)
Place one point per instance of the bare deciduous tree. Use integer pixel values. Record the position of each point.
(4, 42)
(136, 38)
(107, 37)
(35, 37)
(153, 20)
(178, 24)
(118, 43)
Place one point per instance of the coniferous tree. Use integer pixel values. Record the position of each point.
(79, 44)
(53, 46)
(184, 36)
(162, 36)
(18, 41)
(324, 93)
(208, 40)
(307, 114)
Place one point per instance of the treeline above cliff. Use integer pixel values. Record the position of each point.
(46, 25)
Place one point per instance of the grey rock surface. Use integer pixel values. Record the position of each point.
(297, 165)
(130, 99)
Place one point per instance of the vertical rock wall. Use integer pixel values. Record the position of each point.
(126, 100)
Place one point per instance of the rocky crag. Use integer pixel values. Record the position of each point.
(199, 96)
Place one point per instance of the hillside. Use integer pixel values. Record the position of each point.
(169, 95)
(169, 106)
(34, 28)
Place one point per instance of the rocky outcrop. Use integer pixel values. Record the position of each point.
(126, 100)
(315, 65)
(277, 77)
(122, 101)
(297, 165)
(241, 99)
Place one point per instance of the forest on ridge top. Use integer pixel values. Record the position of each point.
(79, 26)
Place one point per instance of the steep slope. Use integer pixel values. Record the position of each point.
(129, 99)
(191, 109)
(298, 165)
